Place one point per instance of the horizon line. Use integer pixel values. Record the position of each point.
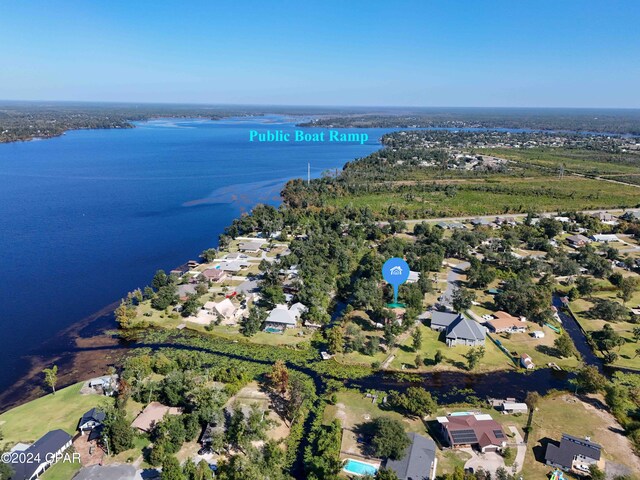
(303, 105)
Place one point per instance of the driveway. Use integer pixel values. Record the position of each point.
(521, 448)
(453, 277)
(489, 462)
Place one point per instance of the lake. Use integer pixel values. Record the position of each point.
(91, 215)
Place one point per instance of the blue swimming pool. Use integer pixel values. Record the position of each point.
(359, 468)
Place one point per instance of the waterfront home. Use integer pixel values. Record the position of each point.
(471, 430)
(235, 256)
(252, 246)
(214, 275)
(233, 266)
(105, 385)
(37, 458)
(574, 454)
(283, 317)
(419, 460)
(225, 308)
(503, 322)
(185, 290)
(92, 423)
(151, 415)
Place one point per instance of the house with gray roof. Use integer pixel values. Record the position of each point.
(463, 331)
(419, 461)
(440, 321)
(573, 454)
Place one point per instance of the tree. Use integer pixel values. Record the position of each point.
(589, 379)
(389, 438)
(251, 324)
(595, 473)
(166, 296)
(473, 356)
(335, 340)
(171, 469)
(209, 255)
(438, 357)
(191, 306)
(532, 399)
(564, 345)
(51, 377)
(480, 275)
(636, 334)
(417, 339)
(628, 286)
(160, 279)
(462, 299)
(418, 361)
(117, 430)
(415, 400)
(609, 310)
(584, 285)
(279, 377)
(386, 474)
(203, 471)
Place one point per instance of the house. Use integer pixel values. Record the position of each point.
(604, 216)
(297, 310)
(279, 320)
(92, 423)
(252, 246)
(214, 275)
(631, 215)
(440, 321)
(480, 222)
(573, 454)
(419, 461)
(413, 277)
(605, 238)
(233, 266)
(478, 431)
(537, 334)
(235, 256)
(106, 384)
(152, 414)
(514, 407)
(37, 458)
(526, 362)
(467, 332)
(225, 308)
(185, 290)
(503, 322)
(578, 240)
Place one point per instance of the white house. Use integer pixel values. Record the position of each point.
(537, 334)
(605, 238)
(283, 317)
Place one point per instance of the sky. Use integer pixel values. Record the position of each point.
(560, 53)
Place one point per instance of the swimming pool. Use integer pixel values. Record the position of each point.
(273, 330)
(356, 467)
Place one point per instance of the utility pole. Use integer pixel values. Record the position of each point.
(308, 173)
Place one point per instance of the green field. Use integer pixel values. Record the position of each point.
(63, 410)
(497, 195)
(587, 162)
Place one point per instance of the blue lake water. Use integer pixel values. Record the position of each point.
(89, 216)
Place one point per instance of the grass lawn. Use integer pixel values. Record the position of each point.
(564, 413)
(626, 354)
(493, 360)
(63, 410)
(499, 195)
(62, 471)
(540, 350)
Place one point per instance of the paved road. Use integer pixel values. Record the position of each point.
(453, 277)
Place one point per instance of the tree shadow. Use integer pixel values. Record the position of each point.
(364, 433)
(457, 364)
(365, 324)
(547, 350)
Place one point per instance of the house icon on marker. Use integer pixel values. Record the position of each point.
(396, 270)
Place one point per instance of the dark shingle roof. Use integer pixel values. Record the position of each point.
(417, 461)
(443, 319)
(569, 448)
(50, 442)
(93, 414)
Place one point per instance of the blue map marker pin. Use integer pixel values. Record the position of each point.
(395, 271)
